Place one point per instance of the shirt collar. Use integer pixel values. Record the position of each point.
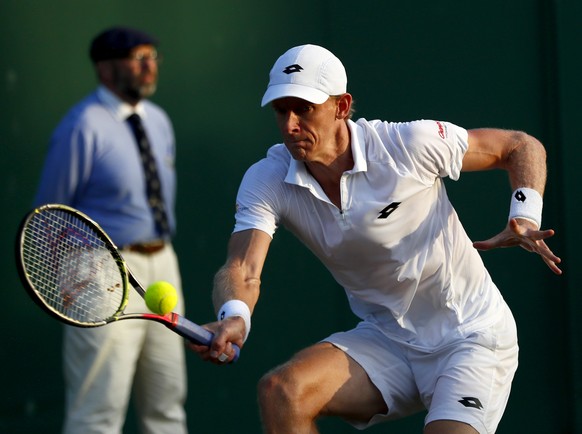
(118, 108)
(358, 143)
(298, 173)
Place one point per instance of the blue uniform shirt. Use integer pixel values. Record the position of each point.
(93, 165)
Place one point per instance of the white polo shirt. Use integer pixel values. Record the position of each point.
(396, 245)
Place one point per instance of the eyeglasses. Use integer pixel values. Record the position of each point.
(144, 57)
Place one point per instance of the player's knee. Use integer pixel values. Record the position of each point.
(277, 391)
(271, 388)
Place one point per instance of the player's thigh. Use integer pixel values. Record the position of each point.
(324, 380)
(470, 382)
(387, 367)
(449, 427)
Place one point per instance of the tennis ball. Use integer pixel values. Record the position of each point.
(161, 297)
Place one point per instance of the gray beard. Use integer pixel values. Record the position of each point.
(139, 93)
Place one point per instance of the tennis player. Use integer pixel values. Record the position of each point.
(368, 199)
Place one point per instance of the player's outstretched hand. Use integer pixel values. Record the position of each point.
(226, 333)
(520, 232)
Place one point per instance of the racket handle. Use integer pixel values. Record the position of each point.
(195, 333)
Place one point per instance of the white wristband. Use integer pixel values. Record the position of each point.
(236, 308)
(526, 203)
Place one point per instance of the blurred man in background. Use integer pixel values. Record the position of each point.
(112, 157)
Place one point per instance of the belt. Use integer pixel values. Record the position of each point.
(148, 248)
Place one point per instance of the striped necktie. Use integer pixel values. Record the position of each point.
(153, 184)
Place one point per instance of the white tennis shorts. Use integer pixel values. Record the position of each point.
(467, 380)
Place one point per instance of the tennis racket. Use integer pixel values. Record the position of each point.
(74, 272)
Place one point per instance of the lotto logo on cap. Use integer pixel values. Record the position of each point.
(309, 72)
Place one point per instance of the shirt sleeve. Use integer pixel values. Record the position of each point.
(66, 167)
(435, 148)
(261, 197)
(254, 210)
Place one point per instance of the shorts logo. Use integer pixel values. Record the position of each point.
(471, 402)
(388, 210)
(293, 68)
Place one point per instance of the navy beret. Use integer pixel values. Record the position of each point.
(117, 43)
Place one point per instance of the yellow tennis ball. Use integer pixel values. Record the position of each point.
(161, 297)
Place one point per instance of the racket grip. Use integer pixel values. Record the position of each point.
(193, 332)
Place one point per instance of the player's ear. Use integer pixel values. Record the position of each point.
(343, 106)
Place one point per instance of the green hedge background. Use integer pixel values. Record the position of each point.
(478, 64)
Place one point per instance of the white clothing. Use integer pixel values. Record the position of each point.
(396, 246)
(137, 356)
(468, 380)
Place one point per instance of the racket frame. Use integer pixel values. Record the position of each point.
(173, 321)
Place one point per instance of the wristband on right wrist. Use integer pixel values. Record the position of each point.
(236, 308)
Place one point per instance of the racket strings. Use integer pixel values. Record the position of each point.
(71, 267)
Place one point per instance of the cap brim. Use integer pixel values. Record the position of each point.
(293, 90)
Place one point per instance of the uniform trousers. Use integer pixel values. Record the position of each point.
(103, 366)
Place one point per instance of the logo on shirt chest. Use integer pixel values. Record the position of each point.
(385, 213)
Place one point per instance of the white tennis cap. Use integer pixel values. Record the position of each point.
(309, 72)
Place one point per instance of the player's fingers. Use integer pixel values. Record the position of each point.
(523, 234)
(218, 347)
(528, 231)
(544, 251)
(551, 261)
(495, 242)
(227, 355)
(221, 345)
(196, 347)
(553, 266)
(203, 351)
(533, 241)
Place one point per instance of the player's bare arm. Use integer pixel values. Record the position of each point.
(524, 158)
(237, 281)
(240, 277)
(521, 155)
